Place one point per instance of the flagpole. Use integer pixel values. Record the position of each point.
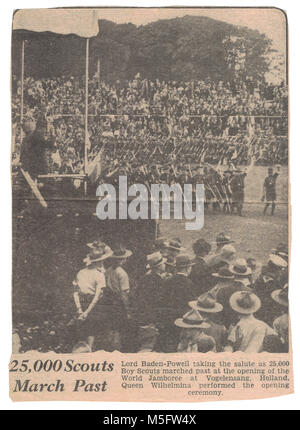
(98, 72)
(86, 111)
(22, 89)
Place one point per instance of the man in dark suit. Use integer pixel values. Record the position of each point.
(237, 186)
(148, 302)
(148, 295)
(34, 148)
(178, 291)
(200, 274)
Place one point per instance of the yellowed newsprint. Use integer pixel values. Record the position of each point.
(151, 210)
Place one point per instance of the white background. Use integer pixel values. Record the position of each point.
(286, 402)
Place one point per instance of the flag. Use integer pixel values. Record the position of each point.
(94, 168)
(202, 157)
(171, 129)
(56, 158)
(82, 22)
(234, 155)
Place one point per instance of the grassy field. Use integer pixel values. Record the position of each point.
(254, 234)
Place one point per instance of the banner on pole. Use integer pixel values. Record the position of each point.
(83, 22)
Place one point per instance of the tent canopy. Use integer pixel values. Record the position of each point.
(82, 22)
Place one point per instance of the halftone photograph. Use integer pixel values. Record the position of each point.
(150, 189)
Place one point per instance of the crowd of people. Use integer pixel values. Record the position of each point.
(214, 301)
(163, 132)
(203, 119)
(144, 97)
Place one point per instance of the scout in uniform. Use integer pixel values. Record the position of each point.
(269, 190)
(249, 333)
(237, 185)
(89, 286)
(227, 191)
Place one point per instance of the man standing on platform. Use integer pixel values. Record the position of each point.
(34, 148)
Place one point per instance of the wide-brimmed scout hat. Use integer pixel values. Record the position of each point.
(245, 302)
(95, 244)
(282, 251)
(183, 260)
(192, 319)
(228, 251)
(223, 273)
(223, 239)
(276, 261)
(154, 260)
(240, 268)
(281, 296)
(120, 253)
(175, 244)
(98, 254)
(161, 242)
(206, 303)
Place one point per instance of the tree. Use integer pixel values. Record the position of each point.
(186, 48)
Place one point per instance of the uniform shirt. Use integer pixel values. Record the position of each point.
(88, 280)
(237, 183)
(270, 186)
(200, 275)
(249, 333)
(270, 183)
(117, 280)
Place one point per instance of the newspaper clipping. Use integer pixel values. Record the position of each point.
(150, 204)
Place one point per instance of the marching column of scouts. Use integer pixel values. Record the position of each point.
(215, 301)
(224, 189)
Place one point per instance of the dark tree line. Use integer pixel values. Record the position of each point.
(176, 49)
